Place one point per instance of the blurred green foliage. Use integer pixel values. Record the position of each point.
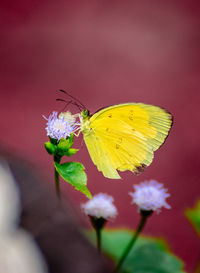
(149, 255)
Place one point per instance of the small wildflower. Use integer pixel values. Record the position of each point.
(100, 206)
(68, 117)
(61, 126)
(150, 196)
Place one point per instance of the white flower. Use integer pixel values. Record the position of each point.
(150, 195)
(68, 116)
(100, 206)
(61, 126)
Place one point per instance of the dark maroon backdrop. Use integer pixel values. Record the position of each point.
(104, 53)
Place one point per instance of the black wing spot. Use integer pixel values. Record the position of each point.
(110, 116)
(140, 169)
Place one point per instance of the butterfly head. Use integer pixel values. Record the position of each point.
(85, 114)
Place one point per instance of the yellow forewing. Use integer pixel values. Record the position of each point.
(124, 137)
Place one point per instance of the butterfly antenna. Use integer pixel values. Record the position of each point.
(67, 103)
(79, 106)
(70, 102)
(76, 101)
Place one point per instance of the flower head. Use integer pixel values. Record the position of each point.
(61, 126)
(68, 116)
(150, 195)
(100, 206)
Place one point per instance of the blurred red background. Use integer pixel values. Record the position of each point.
(104, 53)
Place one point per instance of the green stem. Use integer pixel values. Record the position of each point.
(57, 178)
(144, 216)
(98, 224)
(57, 183)
(98, 233)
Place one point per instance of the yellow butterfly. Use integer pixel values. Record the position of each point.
(124, 137)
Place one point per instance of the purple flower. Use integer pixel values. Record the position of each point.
(150, 195)
(60, 126)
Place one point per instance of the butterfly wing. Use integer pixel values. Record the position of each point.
(124, 137)
(100, 156)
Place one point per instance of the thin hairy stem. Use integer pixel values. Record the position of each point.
(144, 216)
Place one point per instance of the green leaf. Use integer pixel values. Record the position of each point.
(71, 152)
(149, 255)
(73, 172)
(50, 147)
(193, 215)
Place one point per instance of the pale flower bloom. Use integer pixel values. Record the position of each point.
(68, 116)
(100, 206)
(61, 126)
(150, 195)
